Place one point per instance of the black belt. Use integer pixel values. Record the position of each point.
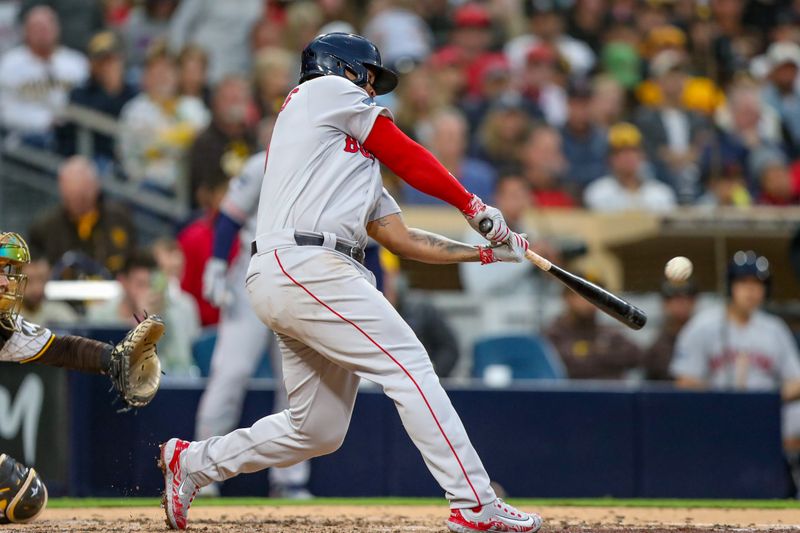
(317, 240)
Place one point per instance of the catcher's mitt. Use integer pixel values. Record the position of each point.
(135, 369)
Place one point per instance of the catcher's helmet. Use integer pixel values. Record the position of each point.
(334, 53)
(23, 494)
(748, 264)
(14, 254)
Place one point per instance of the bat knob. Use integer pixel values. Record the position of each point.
(486, 225)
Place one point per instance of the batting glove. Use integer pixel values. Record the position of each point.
(478, 211)
(215, 285)
(512, 251)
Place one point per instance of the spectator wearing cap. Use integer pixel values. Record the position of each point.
(444, 71)
(496, 82)
(700, 94)
(400, 34)
(78, 19)
(547, 27)
(628, 187)
(503, 132)
(673, 135)
(544, 166)
(219, 28)
(105, 92)
(221, 150)
(663, 37)
(585, 146)
(448, 142)
(678, 300)
(540, 84)
(35, 80)
(472, 37)
(148, 23)
(778, 185)
(781, 93)
(158, 127)
(588, 349)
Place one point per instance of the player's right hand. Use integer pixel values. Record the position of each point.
(512, 251)
(478, 211)
(215, 285)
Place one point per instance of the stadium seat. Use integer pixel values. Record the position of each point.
(528, 357)
(203, 349)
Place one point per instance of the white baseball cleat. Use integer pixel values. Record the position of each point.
(495, 516)
(179, 490)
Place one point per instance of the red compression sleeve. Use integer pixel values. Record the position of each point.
(414, 164)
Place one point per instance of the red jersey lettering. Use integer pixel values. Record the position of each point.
(289, 97)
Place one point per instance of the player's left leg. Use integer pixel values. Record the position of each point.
(241, 342)
(338, 312)
(23, 495)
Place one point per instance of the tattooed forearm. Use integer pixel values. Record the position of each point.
(433, 248)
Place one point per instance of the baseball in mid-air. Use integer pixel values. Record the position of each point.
(678, 269)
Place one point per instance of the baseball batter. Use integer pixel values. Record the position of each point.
(321, 198)
(241, 336)
(132, 365)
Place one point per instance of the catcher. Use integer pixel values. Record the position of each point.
(132, 365)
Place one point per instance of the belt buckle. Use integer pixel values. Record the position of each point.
(357, 253)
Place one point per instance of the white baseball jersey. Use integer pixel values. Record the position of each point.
(241, 200)
(318, 176)
(760, 355)
(24, 345)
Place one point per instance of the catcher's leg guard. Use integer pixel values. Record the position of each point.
(22, 492)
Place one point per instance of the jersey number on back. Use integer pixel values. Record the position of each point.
(289, 97)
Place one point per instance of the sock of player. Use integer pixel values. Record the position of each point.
(414, 164)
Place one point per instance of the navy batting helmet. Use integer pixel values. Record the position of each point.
(748, 264)
(334, 53)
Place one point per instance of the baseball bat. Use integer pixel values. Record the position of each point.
(612, 305)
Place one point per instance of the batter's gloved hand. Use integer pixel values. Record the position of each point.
(478, 211)
(512, 251)
(135, 370)
(215, 283)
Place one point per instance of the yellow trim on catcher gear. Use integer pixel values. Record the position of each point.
(41, 352)
(12, 506)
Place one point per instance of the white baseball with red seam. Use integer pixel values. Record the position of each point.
(678, 269)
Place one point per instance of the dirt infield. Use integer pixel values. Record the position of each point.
(415, 519)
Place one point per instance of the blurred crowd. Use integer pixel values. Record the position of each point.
(604, 104)
(607, 104)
